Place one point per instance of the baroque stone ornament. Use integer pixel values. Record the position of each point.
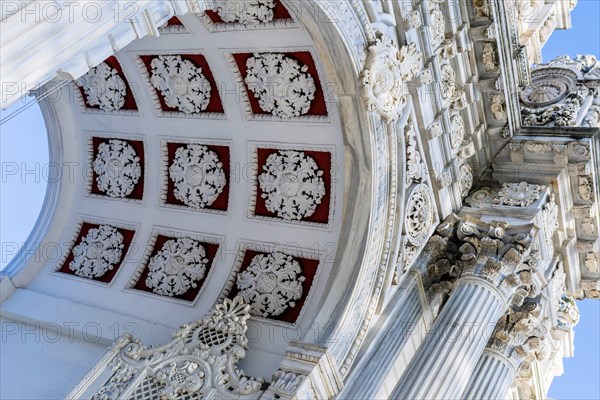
(117, 168)
(465, 182)
(292, 184)
(199, 362)
(419, 214)
(437, 28)
(182, 84)
(281, 84)
(568, 313)
(198, 176)
(457, 131)
(104, 87)
(177, 267)
(98, 252)
(271, 284)
(520, 194)
(387, 70)
(448, 81)
(246, 12)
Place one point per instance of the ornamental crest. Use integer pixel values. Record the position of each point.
(182, 84)
(282, 86)
(292, 184)
(385, 75)
(98, 252)
(198, 176)
(271, 284)
(117, 168)
(104, 87)
(177, 267)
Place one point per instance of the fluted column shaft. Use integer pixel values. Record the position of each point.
(492, 378)
(444, 363)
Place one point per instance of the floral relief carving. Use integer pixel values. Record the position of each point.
(198, 176)
(585, 187)
(104, 87)
(98, 252)
(384, 78)
(457, 131)
(181, 83)
(292, 184)
(419, 214)
(489, 58)
(246, 12)
(281, 84)
(448, 81)
(414, 163)
(177, 267)
(562, 114)
(568, 313)
(117, 167)
(465, 182)
(497, 107)
(520, 194)
(437, 28)
(271, 284)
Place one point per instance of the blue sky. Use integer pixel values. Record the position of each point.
(24, 155)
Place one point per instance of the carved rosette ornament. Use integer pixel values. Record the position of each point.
(520, 194)
(104, 87)
(117, 168)
(246, 12)
(457, 131)
(419, 214)
(437, 27)
(177, 267)
(387, 70)
(448, 81)
(199, 362)
(198, 176)
(97, 253)
(181, 83)
(281, 84)
(292, 184)
(271, 284)
(465, 182)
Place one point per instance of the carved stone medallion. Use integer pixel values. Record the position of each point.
(419, 214)
(104, 87)
(117, 168)
(98, 252)
(271, 284)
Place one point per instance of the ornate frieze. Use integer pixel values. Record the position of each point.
(271, 284)
(177, 267)
(200, 361)
(198, 176)
(181, 83)
(104, 87)
(387, 71)
(520, 194)
(117, 168)
(98, 252)
(281, 84)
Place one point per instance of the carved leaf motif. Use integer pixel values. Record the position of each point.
(117, 168)
(271, 284)
(246, 12)
(282, 86)
(98, 252)
(104, 87)
(292, 184)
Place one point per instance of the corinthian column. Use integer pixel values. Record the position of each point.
(489, 263)
(518, 338)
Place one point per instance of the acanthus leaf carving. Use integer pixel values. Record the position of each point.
(117, 167)
(104, 87)
(246, 12)
(98, 252)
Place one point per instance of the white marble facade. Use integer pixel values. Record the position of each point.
(346, 199)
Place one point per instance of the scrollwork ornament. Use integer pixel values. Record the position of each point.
(177, 267)
(419, 214)
(271, 284)
(117, 167)
(246, 12)
(281, 84)
(98, 252)
(198, 176)
(292, 184)
(465, 182)
(182, 84)
(385, 75)
(104, 87)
